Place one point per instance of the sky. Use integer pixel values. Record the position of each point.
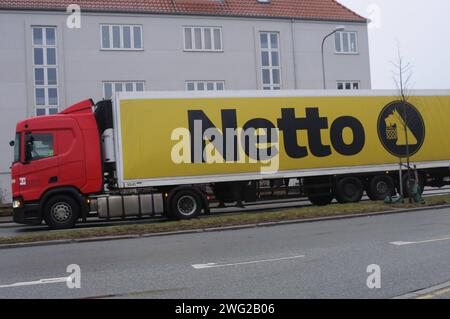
(422, 31)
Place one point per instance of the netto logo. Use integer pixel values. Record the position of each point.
(391, 128)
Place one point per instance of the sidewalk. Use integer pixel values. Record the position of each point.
(5, 213)
(5, 219)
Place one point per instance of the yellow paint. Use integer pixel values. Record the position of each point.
(425, 297)
(348, 135)
(435, 294)
(147, 126)
(396, 119)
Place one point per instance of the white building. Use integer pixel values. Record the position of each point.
(45, 65)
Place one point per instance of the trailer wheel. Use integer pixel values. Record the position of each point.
(61, 211)
(380, 187)
(349, 190)
(185, 204)
(321, 200)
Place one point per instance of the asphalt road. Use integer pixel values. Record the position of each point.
(326, 259)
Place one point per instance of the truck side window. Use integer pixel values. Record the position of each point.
(17, 147)
(42, 146)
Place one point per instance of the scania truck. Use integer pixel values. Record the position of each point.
(172, 153)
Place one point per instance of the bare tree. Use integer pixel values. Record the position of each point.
(402, 75)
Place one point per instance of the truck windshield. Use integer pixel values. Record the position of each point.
(17, 147)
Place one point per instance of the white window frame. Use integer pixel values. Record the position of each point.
(352, 83)
(205, 83)
(270, 67)
(44, 66)
(203, 49)
(341, 39)
(111, 41)
(123, 84)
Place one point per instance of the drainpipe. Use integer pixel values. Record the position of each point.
(293, 53)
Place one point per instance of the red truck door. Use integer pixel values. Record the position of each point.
(40, 167)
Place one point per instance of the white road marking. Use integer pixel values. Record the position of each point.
(402, 243)
(215, 265)
(37, 282)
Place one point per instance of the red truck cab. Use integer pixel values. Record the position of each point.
(57, 163)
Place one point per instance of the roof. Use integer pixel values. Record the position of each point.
(294, 9)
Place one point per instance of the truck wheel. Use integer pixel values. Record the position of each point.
(380, 187)
(321, 200)
(185, 204)
(349, 190)
(61, 212)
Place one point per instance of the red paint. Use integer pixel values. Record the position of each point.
(80, 107)
(297, 9)
(76, 161)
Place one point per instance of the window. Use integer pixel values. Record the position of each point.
(270, 60)
(110, 88)
(17, 147)
(121, 37)
(202, 38)
(346, 42)
(205, 85)
(39, 146)
(348, 85)
(45, 70)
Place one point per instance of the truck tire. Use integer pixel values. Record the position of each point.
(185, 204)
(380, 187)
(349, 190)
(321, 200)
(61, 211)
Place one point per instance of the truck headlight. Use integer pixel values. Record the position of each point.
(17, 203)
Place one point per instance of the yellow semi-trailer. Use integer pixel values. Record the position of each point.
(316, 134)
(147, 153)
(337, 144)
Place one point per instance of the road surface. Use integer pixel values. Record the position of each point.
(327, 259)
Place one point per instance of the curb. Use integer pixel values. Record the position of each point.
(422, 292)
(225, 228)
(5, 214)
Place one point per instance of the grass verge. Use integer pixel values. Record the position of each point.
(224, 220)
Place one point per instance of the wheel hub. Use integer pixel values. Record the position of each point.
(61, 212)
(349, 189)
(382, 187)
(187, 205)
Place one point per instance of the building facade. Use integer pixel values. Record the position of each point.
(47, 64)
